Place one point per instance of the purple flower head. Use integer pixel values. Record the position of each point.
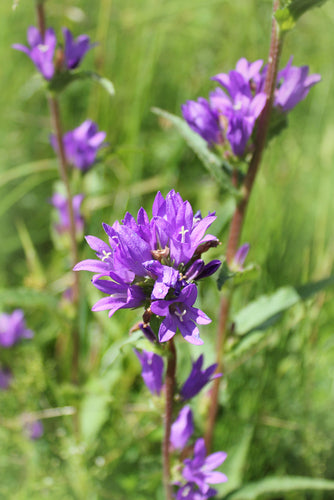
(198, 378)
(152, 370)
(203, 120)
(75, 49)
(240, 257)
(179, 314)
(34, 429)
(293, 85)
(81, 144)
(6, 377)
(149, 262)
(41, 50)
(200, 470)
(13, 328)
(182, 428)
(60, 203)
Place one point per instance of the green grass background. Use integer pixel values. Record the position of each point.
(278, 398)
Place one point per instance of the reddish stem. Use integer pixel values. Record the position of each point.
(169, 395)
(240, 212)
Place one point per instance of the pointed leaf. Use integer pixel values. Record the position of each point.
(291, 10)
(217, 167)
(271, 487)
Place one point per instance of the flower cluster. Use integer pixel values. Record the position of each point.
(42, 50)
(81, 144)
(155, 263)
(231, 114)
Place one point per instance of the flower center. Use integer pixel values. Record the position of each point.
(183, 233)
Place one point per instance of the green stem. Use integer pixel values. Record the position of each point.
(240, 212)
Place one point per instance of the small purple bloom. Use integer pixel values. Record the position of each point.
(82, 144)
(148, 332)
(34, 429)
(200, 469)
(152, 370)
(294, 84)
(60, 203)
(240, 257)
(179, 314)
(41, 50)
(13, 328)
(75, 49)
(190, 492)
(198, 378)
(6, 377)
(182, 428)
(203, 120)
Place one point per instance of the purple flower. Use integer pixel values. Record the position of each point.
(146, 263)
(240, 257)
(6, 377)
(198, 378)
(75, 49)
(241, 113)
(200, 470)
(82, 144)
(190, 492)
(182, 428)
(293, 84)
(203, 120)
(41, 50)
(152, 370)
(60, 203)
(34, 429)
(179, 314)
(13, 328)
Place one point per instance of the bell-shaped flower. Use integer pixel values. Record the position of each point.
(182, 428)
(198, 378)
(75, 49)
(13, 328)
(152, 370)
(203, 120)
(41, 51)
(60, 203)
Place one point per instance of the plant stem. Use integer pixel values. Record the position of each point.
(240, 212)
(63, 172)
(169, 392)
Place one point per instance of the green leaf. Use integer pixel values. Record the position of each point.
(291, 10)
(237, 459)
(257, 313)
(267, 309)
(61, 80)
(270, 487)
(27, 169)
(93, 413)
(115, 350)
(224, 274)
(27, 298)
(217, 167)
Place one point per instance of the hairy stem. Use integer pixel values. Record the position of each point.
(240, 212)
(63, 172)
(169, 393)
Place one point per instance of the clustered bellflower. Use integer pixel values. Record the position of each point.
(42, 50)
(155, 263)
(13, 328)
(81, 144)
(232, 110)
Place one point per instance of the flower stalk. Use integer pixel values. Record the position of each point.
(63, 171)
(240, 212)
(169, 395)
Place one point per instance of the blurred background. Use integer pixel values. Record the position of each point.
(277, 399)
